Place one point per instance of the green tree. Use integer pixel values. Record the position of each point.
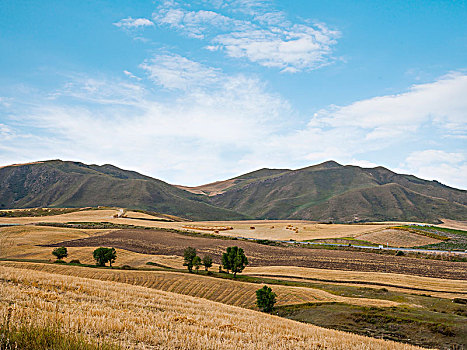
(265, 299)
(188, 255)
(235, 260)
(197, 263)
(226, 261)
(111, 255)
(60, 253)
(103, 255)
(207, 262)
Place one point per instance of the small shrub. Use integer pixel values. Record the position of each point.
(400, 253)
(75, 261)
(126, 267)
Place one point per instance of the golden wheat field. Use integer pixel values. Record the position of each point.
(142, 318)
(215, 289)
(297, 230)
(443, 288)
(265, 229)
(24, 242)
(397, 238)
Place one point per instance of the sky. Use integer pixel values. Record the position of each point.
(192, 92)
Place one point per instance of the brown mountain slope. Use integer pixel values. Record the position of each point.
(332, 192)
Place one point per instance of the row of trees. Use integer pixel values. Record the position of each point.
(233, 259)
(101, 255)
(192, 260)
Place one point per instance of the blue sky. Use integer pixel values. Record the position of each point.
(196, 91)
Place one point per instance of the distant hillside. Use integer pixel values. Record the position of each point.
(219, 187)
(332, 192)
(323, 192)
(57, 183)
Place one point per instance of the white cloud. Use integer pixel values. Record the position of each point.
(204, 125)
(133, 23)
(176, 72)
(131, 75)
(297, 48)
(194, 24)
(183, 140)
(449, 167)
(441, 103)
(383, 125)
(266, 37)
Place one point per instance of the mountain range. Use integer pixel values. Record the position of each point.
(327, 192)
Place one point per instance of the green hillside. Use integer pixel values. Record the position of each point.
(323, 192)
(72, 184)
(332, 192)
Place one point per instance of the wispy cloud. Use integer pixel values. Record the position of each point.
(441, 103)
(182, 140)
(434, 164)
(380, 124)
(177, 72)
(133, 23)
(202, 124)
(264, 36)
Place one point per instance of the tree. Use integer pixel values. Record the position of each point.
(235, 260)
(188, 255)
(265, 299)
(197, 263)
(207, 262)
(111, 255)
(226, 261)
(60, 253)
(103, 255)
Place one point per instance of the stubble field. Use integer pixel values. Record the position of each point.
(160, 242)
(141, 318)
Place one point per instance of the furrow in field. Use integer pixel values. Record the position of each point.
(228, 291)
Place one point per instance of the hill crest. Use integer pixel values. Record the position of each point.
(325, 192)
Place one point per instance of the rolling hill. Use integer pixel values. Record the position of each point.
(327, 192)
(332, 192)
(59, 183)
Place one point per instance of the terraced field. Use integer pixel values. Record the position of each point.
(438, 287)
(142, 318)
(171, 243)
(215, 289)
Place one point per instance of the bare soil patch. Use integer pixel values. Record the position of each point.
(170, 243)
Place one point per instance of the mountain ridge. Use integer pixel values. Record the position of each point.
(328, 192)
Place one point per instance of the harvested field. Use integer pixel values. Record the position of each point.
(84, 215)
(142, 318)
(25, 242)
(215, 289)
(264, 229)
(456, 225)
(288, 229)
(397, 238)
(438, 287)
(170, 243)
